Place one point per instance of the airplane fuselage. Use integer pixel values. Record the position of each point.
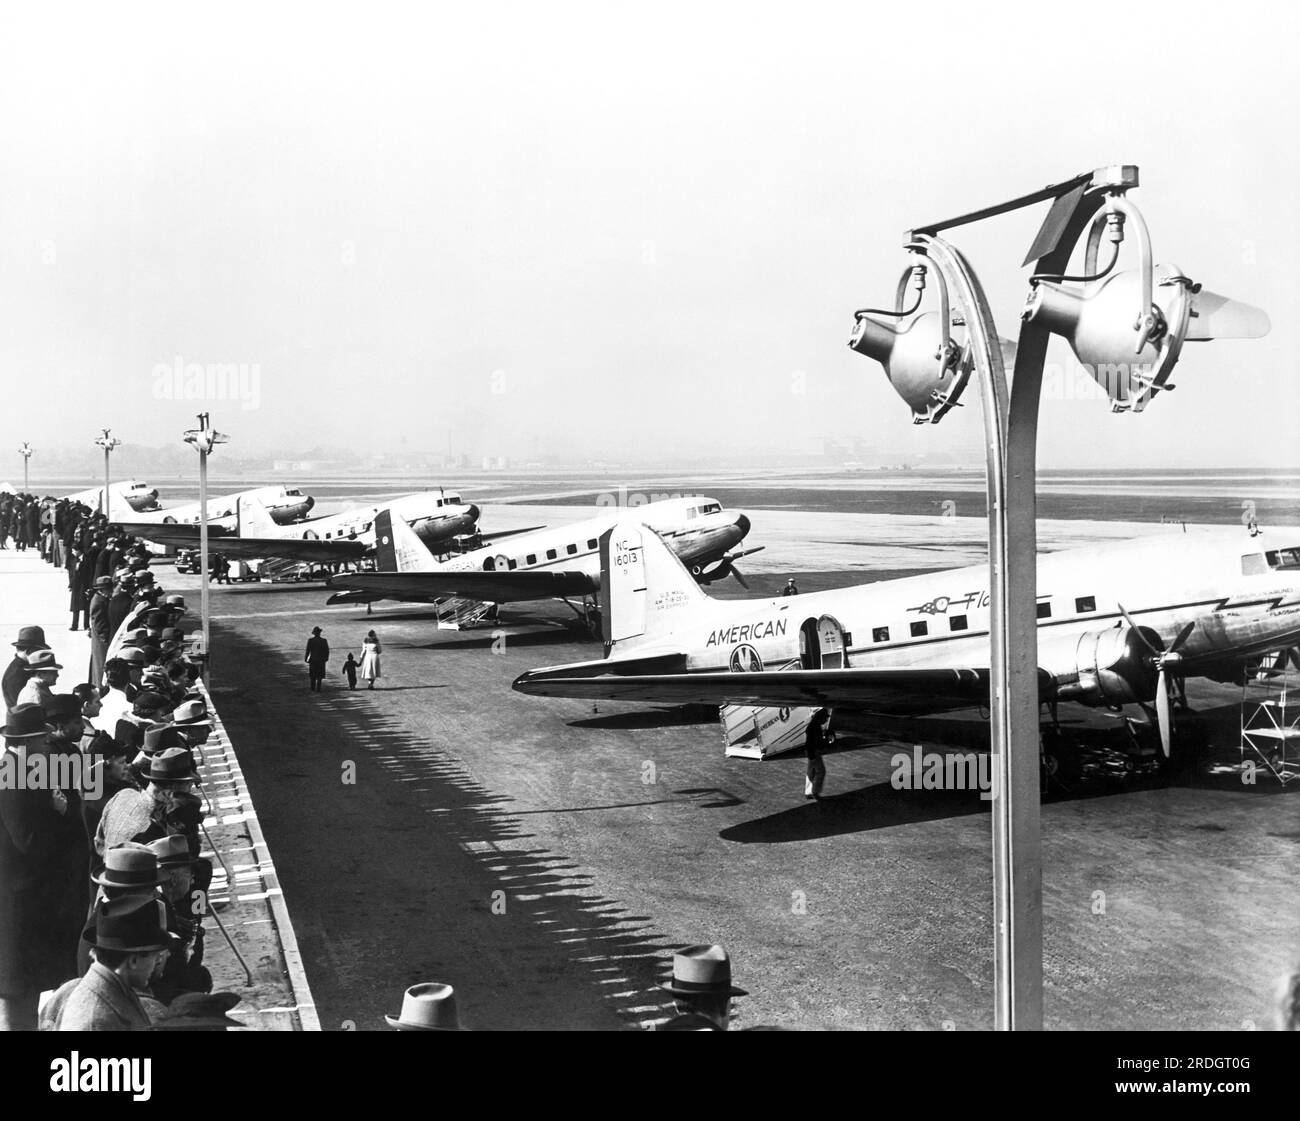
(1242, 594)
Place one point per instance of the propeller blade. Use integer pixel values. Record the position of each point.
(739, 578)
(1217, 317)
(1164, 713)
(1181, 637)
(1138, 631)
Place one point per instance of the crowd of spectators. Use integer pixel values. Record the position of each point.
(103, 888)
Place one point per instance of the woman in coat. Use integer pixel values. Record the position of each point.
(370, 651)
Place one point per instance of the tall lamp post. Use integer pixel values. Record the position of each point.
(1127, 329)
(108, 443)
(204, 438)
(26, 451)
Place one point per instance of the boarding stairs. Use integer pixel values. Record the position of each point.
(459, 614)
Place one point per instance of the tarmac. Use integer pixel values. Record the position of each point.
(546, 857)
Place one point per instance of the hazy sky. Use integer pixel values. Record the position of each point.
(552, 228)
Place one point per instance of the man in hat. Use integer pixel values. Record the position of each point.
(100, 635)
(42, 675)
(184, 970)
(69, 846)
(427, 1007)
(318, 654)
(790, 589)
(113, 775)
(702, 989)
(83, 578)
(28, 964)
(130, 938)
(119, 604)
(15, 676)
(142, 815)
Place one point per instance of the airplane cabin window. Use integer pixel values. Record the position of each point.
(919, 629)
(551, 554)
(593, 543)
(1253, 564)
(571, 549)
(1085, 603)
(957, 623)
(513, 565)
(532, 558)
(1044, 610)
(1283, 558)
(880, 634)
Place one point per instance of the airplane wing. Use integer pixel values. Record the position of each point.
(893, 692)
(183, 535)
(502, 534)
(314, 550)
(488, 587)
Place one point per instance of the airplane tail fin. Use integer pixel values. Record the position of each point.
(397, 548)
(253, 519)
(646, 593)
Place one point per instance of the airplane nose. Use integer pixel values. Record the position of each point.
(742, 523)
(473, 513)
(308, 503)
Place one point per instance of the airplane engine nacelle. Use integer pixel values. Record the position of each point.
(1107, 667)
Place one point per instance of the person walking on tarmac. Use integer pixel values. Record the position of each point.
(350, 670)
(790, 589)
(370, 651)
(318, 654)
(814, 745)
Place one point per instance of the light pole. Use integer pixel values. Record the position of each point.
(204, 438)
(1128, 337)
(108, 443)
(25, 450)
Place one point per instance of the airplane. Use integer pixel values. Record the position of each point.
(1117, 624)
(563, 562)
(285, 505)
(137, 495)
(346, 536)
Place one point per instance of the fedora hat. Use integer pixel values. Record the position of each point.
(427, 1007)
(132, 655)
(191, 712)
(130, 924)
(174, 764)
(156, 620)
(701, 970)
(39, 660)
(172, 851)
(131, 865)
(135, 636)
(26, 721)
(315, 630)
(174, 601)
(196, 1011)
(103, 581)
(160, 738)
(30, 637)
(128, 733)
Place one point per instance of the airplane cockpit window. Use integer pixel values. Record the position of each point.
(1253, 564)
(452, 500)
(711, 508)
(1283, 558)
(294, 493)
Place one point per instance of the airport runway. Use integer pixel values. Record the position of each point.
(546, 858)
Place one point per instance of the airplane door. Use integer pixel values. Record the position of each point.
(810, 656)
(830, 640)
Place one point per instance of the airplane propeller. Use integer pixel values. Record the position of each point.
(1164, 661)
(726, 567)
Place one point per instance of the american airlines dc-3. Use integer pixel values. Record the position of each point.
(563, 563)
(1116, 624)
